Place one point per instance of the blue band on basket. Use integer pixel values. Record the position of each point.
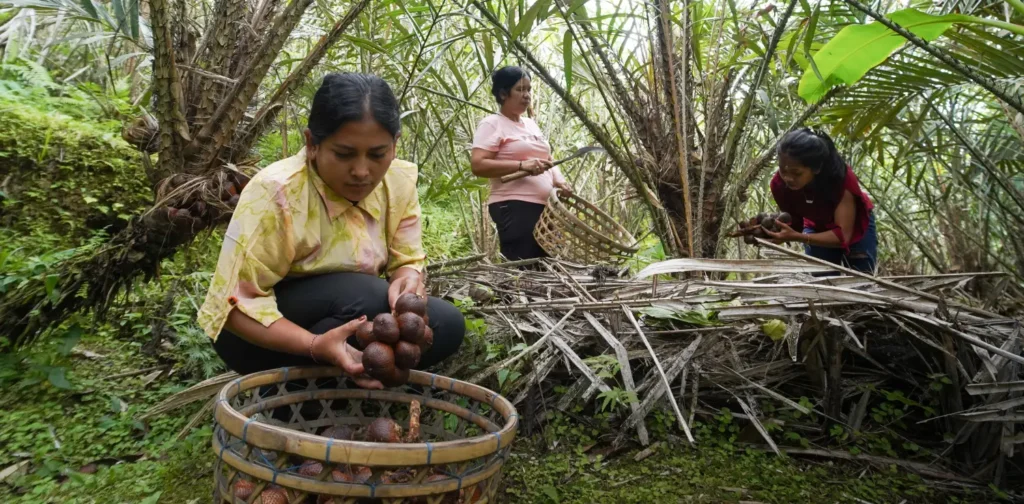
(330, 441)
(433, 376)
(497, 437)
(430, 452)
(245, 428)
(460, 483)
(286, 370)
(273, 479)
(373, 488)
(220, 456)
(238, 386)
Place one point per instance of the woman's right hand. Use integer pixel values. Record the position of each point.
(332, 348)
(536, 166)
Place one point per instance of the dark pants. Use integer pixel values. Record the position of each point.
(321, 303)
(515, 221)
(862, 257)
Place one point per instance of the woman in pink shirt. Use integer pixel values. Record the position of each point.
(505, 143)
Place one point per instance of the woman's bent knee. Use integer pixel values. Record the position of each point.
(449, 328)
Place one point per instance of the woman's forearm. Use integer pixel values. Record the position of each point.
(826, 239)
(493, 168)
(281, 336)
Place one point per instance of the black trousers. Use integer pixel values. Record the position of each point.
(515, 221)
(321, 303)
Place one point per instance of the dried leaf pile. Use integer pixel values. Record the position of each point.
(761, 340)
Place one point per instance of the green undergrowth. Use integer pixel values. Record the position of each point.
(80, 434)
(706, 474)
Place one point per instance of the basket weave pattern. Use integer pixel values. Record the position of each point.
(466, 434)
(573, 229)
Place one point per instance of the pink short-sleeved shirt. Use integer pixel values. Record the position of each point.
(517, 141)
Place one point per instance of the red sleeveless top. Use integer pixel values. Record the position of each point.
(816, 213)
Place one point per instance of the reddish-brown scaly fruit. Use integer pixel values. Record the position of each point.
(759, 233)
(244, 488)
(339, 432)
(396, 378)
(340, 476)
(749, 239)
(385, 328)
(427, 341)
(407, 355)
(411, 303)
(272, 496)
(760, 217)
(383, 430)
(364, 334)
(768, 223)
(363, 474)
(785, 218)
(311, 468)
(410, 327)
(397, 477)
(378, 359)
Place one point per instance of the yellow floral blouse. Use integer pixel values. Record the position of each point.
(289, 223)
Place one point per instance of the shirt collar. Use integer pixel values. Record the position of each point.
(337, 205)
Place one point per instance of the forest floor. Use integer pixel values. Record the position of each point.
(81, 442)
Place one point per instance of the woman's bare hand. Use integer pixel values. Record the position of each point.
(536, 166)
(332, 348)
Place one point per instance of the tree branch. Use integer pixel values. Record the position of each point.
(266, 112)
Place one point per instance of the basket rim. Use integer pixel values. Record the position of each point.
(342, 489)
(362, 452)
(559, 212)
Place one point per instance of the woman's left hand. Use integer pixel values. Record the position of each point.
(785, 234)
(405, 282)
(562, 186)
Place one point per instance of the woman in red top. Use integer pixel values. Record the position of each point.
(821, 193)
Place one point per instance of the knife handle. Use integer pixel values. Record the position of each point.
(515, 176)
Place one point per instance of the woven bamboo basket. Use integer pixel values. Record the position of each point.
(572, 228)
(267, 443)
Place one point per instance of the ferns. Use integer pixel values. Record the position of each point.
(198, 359)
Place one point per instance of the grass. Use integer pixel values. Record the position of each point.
(92, 424)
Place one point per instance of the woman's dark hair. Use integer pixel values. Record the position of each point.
(346, 97)
(503, 80)
(817, 151)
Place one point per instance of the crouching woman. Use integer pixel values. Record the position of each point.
(303, 257)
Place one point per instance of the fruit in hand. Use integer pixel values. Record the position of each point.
(769, 224)
(383, 430)
(378, 359)
(396, 378)
(364, 334)
(410, 327)
(411, 303)
(785, 218)
(428, 339)
(407, 355)
(385, 328)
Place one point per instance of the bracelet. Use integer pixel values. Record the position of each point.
(520, 166)
(311, 356)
